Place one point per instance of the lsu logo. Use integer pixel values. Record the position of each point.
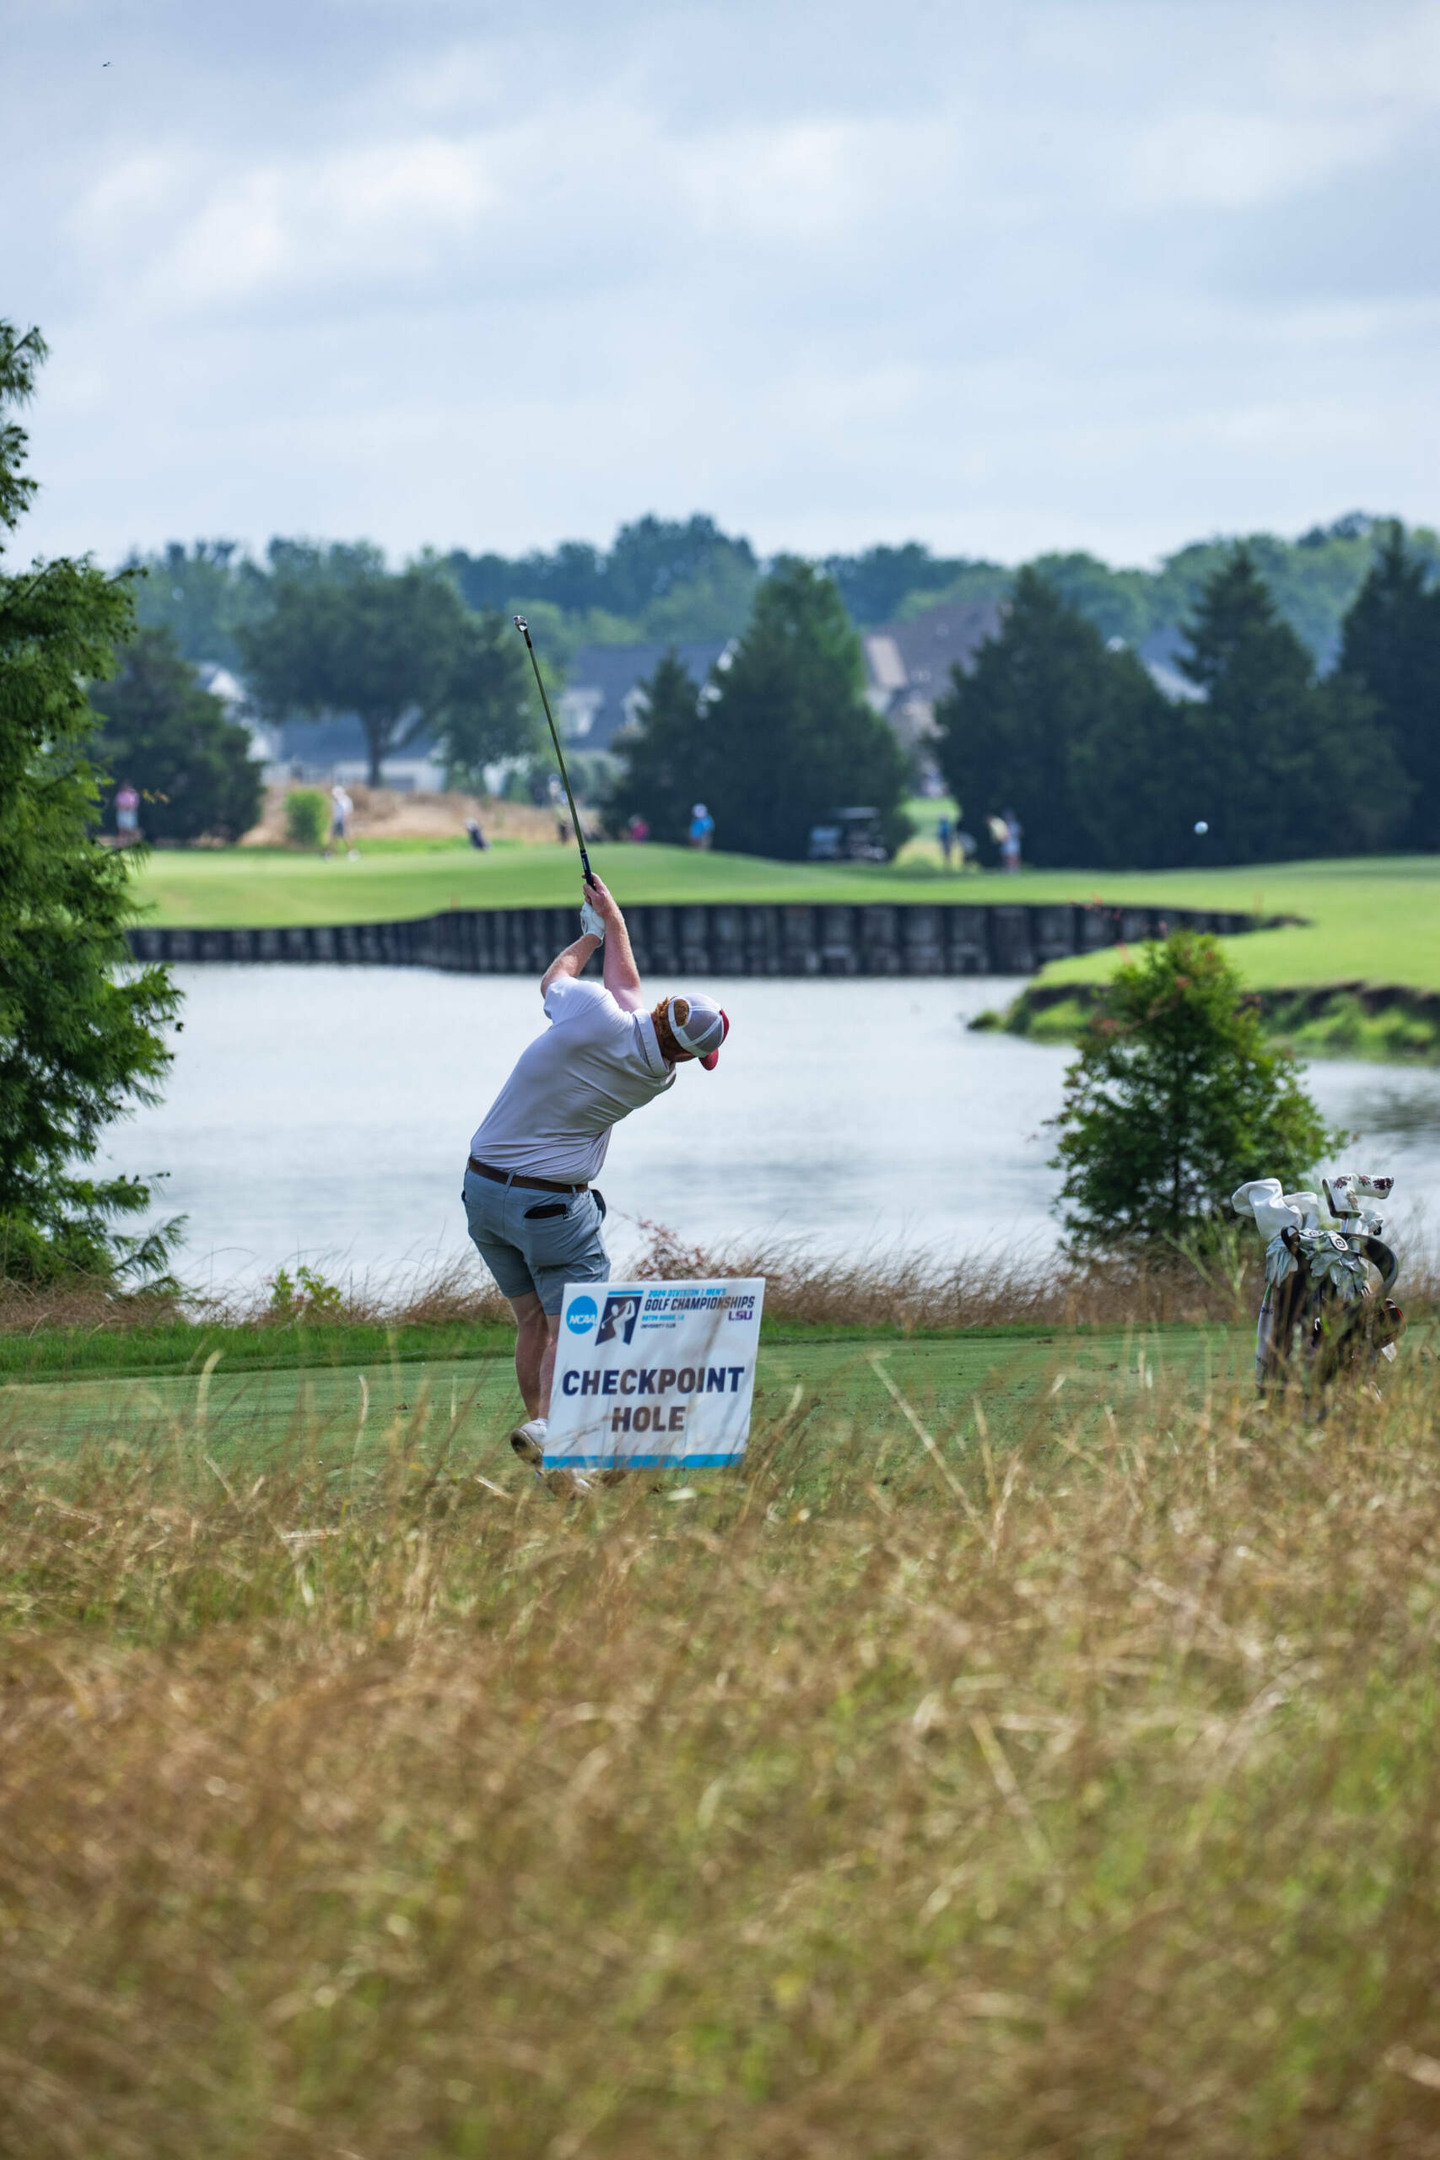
(618, 1319)
(581, 1316)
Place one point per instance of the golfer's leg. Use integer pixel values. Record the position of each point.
(534, 1353)
(563, 1245)
(547, 1361)
(485, 1211)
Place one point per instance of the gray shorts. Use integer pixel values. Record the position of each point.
(534, 1243)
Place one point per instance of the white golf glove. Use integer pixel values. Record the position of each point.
(591, 923)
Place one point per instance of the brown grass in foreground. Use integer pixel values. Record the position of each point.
(1082, 1801)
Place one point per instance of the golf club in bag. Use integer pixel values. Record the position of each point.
(524, 628)
(1321, 1314)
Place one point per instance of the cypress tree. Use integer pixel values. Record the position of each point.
(659, 774)
(80, 1034)
(780, 737)
(1069, 734)
(1390, 642)
(1281, 765)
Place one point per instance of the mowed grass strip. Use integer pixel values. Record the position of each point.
(1372, 919)
(342, 1412)
(1081, 1800)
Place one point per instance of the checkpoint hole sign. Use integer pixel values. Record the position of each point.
(654, 1375)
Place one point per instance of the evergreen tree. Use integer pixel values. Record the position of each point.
(1173, 1101)
(1278, 764)
(173, 741)
(1073, 737)
(79, 1031)
(1391, 644)
(657, 776)
(782, 736)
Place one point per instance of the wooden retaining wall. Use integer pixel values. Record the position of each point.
(956, 938)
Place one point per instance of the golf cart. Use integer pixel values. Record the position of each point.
(848, 836)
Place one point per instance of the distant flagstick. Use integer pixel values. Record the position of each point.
(524, 628)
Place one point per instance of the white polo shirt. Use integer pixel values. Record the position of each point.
(593, 1065)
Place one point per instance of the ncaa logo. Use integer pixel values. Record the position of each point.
(582, 1315)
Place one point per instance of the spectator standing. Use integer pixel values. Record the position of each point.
(127, 815)
(638, 830)
(945, 834)
(340, 809)
(1010, 845)
(477, 838)
(702, 826)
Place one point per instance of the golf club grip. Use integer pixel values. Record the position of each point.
(524, 628)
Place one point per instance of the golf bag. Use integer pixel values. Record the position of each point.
(1322, 1313)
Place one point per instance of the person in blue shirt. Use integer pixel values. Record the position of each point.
(702, 826)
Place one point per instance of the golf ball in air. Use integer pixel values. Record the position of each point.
(1201, 826)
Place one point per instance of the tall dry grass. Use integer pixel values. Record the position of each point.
(898, 1797)
(899, 1287)
(912, 1290)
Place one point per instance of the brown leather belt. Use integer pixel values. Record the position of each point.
(531, 1184)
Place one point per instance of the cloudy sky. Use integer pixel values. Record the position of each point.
(1003, 277)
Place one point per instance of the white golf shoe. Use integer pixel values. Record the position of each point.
(528, 1441)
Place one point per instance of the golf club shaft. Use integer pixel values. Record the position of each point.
(524, 628)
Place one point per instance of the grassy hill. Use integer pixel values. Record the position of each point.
(1374, 919)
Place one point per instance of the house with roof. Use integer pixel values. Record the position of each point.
(335, 749)
(320, 751)
(909, 663)
(603, 693)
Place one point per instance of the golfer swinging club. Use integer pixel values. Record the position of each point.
(528, 1197)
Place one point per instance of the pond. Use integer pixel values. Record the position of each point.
(324, 1114)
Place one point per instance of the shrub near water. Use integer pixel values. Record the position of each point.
(889, 1799)
(1174, 1100)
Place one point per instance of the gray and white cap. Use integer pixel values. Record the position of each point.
(699, 1025)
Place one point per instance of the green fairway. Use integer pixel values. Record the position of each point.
(461, 1408)
(1374, 919)
(256, 888)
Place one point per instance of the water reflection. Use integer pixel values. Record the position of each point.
(324, 1113)
(1407, 1117)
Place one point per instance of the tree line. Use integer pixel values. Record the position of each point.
(665, 580)
(1267, 760)
(1060, 725)
(1070, 732)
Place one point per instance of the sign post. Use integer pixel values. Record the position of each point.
(654, 1376)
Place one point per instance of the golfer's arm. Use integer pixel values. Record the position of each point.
(622, 977)
(569, 962)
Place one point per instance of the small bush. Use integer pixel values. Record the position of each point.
(305, 817)
(1173, 1101)
(305, 1295)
